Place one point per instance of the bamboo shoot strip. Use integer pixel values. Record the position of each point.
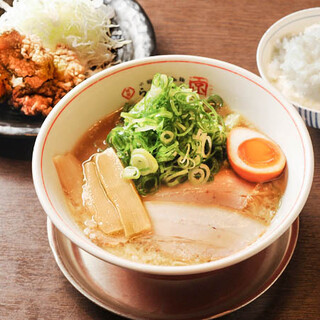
(122, 193)
(97, 202)
(69, 170)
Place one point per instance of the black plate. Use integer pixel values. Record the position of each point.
(134, 24)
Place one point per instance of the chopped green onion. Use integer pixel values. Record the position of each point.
(147, 184)
(166, 137)
(131, 172)
(175, 178)
(216, 101)
(170, 136)
(199, 174)
(143, 161)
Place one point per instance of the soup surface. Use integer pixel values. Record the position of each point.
(182, 224)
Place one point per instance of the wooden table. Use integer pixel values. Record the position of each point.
(32, 286)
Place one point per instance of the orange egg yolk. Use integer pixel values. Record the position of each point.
(258, 153)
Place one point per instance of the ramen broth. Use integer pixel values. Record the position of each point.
(190, 224)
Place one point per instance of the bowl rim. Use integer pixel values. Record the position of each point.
(270, 32)
(239, 256)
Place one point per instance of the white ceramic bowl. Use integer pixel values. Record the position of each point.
(109, 90)
(289, 25)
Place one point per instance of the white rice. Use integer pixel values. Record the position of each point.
(295, 67)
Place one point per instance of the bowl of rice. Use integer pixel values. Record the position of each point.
(288, 57)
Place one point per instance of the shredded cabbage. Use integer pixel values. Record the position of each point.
(170, 136)
(82, 25)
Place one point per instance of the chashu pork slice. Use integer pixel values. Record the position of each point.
(227, 190)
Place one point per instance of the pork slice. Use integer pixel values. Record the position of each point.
(186, 234)
(227, 190)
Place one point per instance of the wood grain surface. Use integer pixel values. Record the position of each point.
(31, 284)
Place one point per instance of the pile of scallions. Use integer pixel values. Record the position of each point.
(170, 136)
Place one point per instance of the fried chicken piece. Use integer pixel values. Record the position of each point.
(69, 72)
(33, 50)
(33, 105)
(68, 68)
(25, 57)
(35, 77)
(50, 89)
(34, 102)
(5, 88)
(10, 56)
(10, 41)
(29, 100)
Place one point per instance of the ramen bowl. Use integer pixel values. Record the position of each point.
(109, 90)
(289, 25)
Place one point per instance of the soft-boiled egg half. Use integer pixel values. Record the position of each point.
(253, 156)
